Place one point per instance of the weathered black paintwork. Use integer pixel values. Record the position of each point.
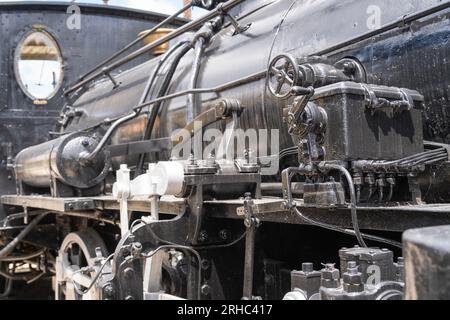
(104, 30)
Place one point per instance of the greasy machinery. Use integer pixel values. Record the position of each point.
(145, 194)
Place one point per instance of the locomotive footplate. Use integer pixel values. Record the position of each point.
(266, 209)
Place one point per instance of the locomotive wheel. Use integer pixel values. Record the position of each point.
(78, 251)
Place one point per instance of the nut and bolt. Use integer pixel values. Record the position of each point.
(330, 276)
(353, 281)
(136, 249)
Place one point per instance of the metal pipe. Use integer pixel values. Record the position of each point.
(391, 192)
(297, 188)
(36, 278)
(344, 231)
(89, 216)
(8, 249)
(192, 25)
(136, 113)
(229, 85)
(140, 38)
(90, 156)
(155, 110)
(17, 216)
(8, 289)
(226, 86)
(10, 277)
(191, 99)
(249, 262)
(161, 62)
(330, 166)
(22, 258)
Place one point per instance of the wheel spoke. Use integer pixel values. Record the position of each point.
(287, 66)
(279, 87)
(276, 71)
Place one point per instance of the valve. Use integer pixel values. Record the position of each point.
(283, 75)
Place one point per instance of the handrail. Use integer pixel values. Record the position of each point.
(140, 38)
(191, 25)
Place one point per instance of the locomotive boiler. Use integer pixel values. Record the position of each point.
(269, 133)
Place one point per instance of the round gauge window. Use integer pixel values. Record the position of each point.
(39, 65)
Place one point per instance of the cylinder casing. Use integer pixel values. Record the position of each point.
(62, 159)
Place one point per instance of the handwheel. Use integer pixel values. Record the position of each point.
(283, 75)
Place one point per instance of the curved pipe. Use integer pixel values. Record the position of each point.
(191, 99)
(187, 27)
(330, 166)
(155, 109)
(136, 112)
(26, 257)
(17, 216)
(140, 38)
(345, 231)
(8, 288)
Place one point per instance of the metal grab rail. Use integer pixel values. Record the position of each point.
(192, 25)
(140, 38)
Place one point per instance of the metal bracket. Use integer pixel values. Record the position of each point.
(238, 28)
(374, 104)
(114, 82)
(252, 224)
(123, 193)
(286, 178)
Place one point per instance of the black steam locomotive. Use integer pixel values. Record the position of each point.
(269, 137)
